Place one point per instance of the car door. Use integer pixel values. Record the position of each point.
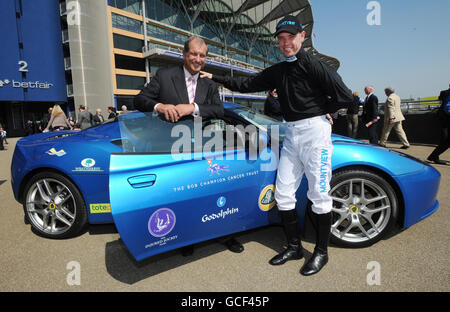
(173, 187)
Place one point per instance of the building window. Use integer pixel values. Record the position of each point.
(132, 6)
(127, 43)
(165, 34)
(129, 62)
(130, 82)
(126, 23)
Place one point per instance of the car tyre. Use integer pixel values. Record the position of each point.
(54, 206)
(365, 208)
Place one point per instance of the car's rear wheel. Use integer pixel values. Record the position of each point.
(54, 206)
(365, 208)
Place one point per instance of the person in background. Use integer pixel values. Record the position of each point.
(58, 120)
(71, 121)
(84, 118)
(45, 119)
(98, 117)
(272, 106)
(370, 114)
(29, 128)
(3, 135)
(444, 119)
(352, 116)
(124, 109)
(393, 118)
(112, 112)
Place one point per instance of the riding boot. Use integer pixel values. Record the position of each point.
(294, 248)
(320, 255)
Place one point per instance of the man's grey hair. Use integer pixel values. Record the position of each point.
(389, 89)
(188, 42)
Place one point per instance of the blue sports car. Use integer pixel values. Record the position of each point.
(167, 185)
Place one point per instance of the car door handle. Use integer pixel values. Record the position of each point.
(142, 180)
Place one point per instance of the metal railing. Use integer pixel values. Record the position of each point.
(211, 59)
(409, 106)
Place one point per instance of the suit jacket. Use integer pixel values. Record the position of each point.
(443, 117)
(169, 87)
(370, 111)
(85, 119)
(97, 119)
(392, 109)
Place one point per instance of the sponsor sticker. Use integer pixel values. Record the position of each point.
(100, 208)
(221, 201)
(87, 164)
(53, 151)
(267, 198)
(215, 168)
(161, 222)
(222, 214)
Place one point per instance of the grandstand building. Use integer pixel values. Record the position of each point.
(101, 53)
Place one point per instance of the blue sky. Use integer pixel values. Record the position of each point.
(410, 50)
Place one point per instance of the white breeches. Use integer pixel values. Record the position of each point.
(307, 149)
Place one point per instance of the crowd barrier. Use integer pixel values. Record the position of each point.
(421, 128)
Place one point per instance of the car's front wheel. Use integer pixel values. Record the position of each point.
(54, 206)
(365, 208)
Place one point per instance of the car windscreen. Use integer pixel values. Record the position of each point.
(150, 133)
(261, 121)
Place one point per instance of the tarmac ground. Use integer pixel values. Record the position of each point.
(415, 259)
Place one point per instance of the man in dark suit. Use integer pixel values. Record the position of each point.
(98, 117)
(177, 92)
(370, 114)
(444, 120)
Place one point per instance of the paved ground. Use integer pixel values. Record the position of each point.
(416, 259)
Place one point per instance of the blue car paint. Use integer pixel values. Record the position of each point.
(418, 183)
(191, 192)
(90, 143)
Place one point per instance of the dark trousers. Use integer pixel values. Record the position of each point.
(372, 133)
(444, 142)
